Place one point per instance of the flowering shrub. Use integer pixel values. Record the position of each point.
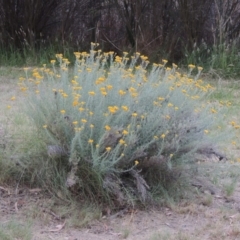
(119, 129)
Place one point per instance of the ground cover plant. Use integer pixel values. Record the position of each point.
(115, 130)
(15, 230)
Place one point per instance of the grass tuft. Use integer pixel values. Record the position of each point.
(15, 230)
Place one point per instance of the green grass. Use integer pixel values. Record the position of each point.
(218, 61)
(13, 57)
(229, 188)
(9, 74)
(158, 236)
(15, 230)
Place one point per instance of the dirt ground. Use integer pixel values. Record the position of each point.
(203, 216)
(207, 217)
(211, 211)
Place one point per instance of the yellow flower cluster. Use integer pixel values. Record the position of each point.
(113, 109)
(103, 88)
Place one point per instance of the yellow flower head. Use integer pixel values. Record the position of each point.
(125, 132)
(104, 93)
(174, 65)
(112, 109)
(164, 61)
(134, 94)
(64, 95)
(132, 90)
(22, 78)
(83, 120)
(163, 136)
(213, 110)
(90, 141)
(62, 111)
(91, 93)
(109, 87)
(74, 82)
(23, 89)
(108, 128)
(125, 108)
(191, 66)
(121, 92)
(121, 141)
(75, 103)
(59, 56)
(136, 162)
(108, 149)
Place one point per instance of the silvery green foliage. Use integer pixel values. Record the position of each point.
(116, 122)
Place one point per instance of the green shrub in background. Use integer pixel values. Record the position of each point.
(219, 60)
(32, 56)
(115, 131)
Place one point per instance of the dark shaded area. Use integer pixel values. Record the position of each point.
(154, 28)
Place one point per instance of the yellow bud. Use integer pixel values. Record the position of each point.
(108, 149)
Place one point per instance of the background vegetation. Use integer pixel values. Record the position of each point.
(180, 30)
